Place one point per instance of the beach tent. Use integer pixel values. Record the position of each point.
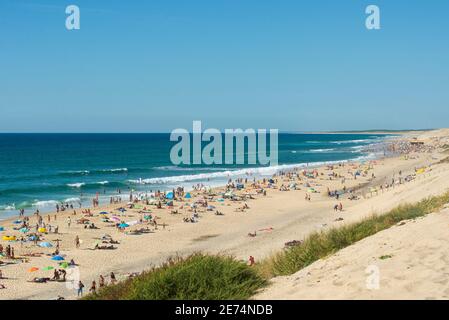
(169, 195)
(45, 245)
(188, 195)
(57, 258)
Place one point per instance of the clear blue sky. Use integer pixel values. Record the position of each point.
(151, 66)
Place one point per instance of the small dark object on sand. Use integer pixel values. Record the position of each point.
(293, 243)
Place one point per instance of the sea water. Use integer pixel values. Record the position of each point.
(37, 171)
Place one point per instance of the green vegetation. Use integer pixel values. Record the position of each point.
(202, 276)
(196, 277)
(384, 257)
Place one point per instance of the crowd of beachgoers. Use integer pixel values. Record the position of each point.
(39, 249)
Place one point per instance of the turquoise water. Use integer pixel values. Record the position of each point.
(40, 170)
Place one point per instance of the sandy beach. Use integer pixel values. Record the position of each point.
(276, 218)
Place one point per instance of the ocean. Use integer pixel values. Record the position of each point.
(37, 171)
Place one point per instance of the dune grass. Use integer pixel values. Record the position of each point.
(202, 276)
(319, 245)
(197, 277)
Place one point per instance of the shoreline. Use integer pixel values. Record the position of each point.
(278, 217)
(258, 172)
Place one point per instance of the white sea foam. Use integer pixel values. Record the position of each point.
(321, 150)
(351, 141)
(8, 207)
(114, 170)
(76, 185)
(71, 200)
(47, 203)
(262, 171)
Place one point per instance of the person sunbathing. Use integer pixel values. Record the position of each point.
(39, 280)
(110, 247)
(252, 234)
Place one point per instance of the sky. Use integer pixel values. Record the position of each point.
(153, 66)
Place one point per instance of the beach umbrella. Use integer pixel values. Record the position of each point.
(17, 222)
(57, 258)
(64, 265)
(104, 212)
(24, 230)
(48, 268)
(42, 230)
(45, 245)
(9, 238)
(2, 229)
(123, 225)
(33, 269)
(188, 195)
(116, 219)
(169, 195)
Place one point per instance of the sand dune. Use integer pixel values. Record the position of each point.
(411, 260)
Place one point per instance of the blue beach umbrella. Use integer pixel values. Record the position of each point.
(104, 212)
(169, 195)
(123, 225)
(188, 195)
(45, 245)
(17, 222)
(57, 258)
(2, 229)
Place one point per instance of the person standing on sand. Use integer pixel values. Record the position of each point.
(69, 222)
(251, 261)
(77, 242)
(93, 287)
(113, 280)
(80, 288)
(101, 281)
